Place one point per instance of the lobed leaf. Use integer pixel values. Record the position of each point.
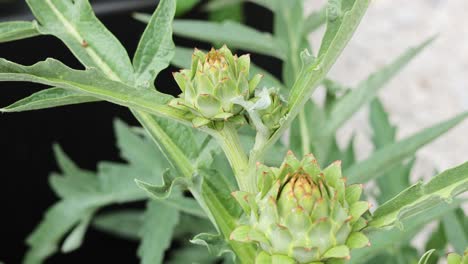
(124, 223)
(420, 197)
(90, 82)
(156, 48)
(159, 222)
(75, 24)
(16, 30)
(385, 158)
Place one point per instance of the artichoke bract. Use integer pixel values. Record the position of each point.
(302, 214)
(214, 80)
(454, 258)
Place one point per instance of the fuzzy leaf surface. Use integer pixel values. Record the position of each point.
(90, 82)
(156, 233)
(16, 30)
(156, 48)
(420, 197)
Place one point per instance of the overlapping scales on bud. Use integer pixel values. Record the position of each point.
(213, 81)
(273, 114)
(454, 258)
(303, 214)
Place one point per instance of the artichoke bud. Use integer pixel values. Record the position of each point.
(302, 214)
(454, 258)
(214, 80)
(273, 115)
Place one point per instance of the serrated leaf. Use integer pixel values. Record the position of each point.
(384, 159)
(421, 197)
(156, 48)
(75, 24)
(124, 223)
(90, 82)
(58, 220)
(48, 98)
(156, 232)
(231, 33)
(16, 30)
(366, 90)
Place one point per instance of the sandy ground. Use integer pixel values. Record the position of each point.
(432, 88)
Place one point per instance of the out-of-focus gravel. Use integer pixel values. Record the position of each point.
(433, 87)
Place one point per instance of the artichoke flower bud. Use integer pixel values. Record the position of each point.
(213, 81)
(454, 258)
(302, 214)
(275, 112)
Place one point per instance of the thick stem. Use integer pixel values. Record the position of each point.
(229, 141)
(212, 207)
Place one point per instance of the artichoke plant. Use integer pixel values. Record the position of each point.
(302, 214)
(213, 82)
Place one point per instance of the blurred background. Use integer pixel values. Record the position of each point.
(432, 88)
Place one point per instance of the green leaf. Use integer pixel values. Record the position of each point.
(215, 244)
(191, 254)
(75, 24)
(288, 24)
(124, 223)
(456, 231)
(437, 241)
(75, 238)
(384, 133)
(165, 190)
(366, 90)
(230, 33)
(184, 6)
(384, 159)
(383, 239)
(16, 30)
(420, 197)
(156, 232)
(90, 82)
(58, 220)
(314, 20)
(48, 98)
(339, 32)
(156, 48)
(139, 151)
(425, 258)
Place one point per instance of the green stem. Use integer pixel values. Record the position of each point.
(207, 198)
(229, 141)
(305, 136)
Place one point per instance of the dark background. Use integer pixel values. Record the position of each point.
(84, 131)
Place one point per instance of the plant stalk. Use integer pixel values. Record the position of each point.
(229, 141)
